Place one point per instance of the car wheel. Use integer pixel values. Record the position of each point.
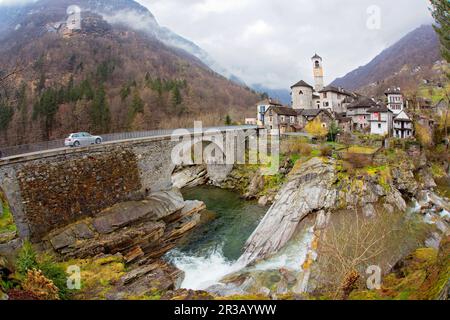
(98, 141)
(76, 144)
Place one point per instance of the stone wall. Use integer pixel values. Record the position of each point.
(64, 190)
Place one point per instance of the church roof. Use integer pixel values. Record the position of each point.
(302, 83)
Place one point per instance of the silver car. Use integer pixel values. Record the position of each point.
(82, 139)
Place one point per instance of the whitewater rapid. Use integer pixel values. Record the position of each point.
(203, 272)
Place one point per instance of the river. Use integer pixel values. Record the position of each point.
(209, 254)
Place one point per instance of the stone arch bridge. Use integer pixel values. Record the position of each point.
(53, 188)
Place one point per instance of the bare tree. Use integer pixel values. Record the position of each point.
(352, 243)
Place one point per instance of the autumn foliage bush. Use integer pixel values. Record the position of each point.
(41, 287)
(316, 129)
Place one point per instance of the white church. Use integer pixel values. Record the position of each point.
(352, 111)
(305, 96)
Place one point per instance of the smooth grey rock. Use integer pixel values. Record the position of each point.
(63, 239)
(190, 177)
(157, 206)
(434, 241)
(394, 198)
(307, 190)
(263, 201)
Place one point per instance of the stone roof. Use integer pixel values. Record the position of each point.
(313, 112)
(393, 91)
(302, 83)
(362, 102)
(401, 118)
(378, 108)
(270, 102)
(285, 111)
(337, 90)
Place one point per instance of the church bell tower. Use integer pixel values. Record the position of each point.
(318, 72)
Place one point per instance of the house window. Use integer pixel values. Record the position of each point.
(262, 109)
(270, 119)
(379, 126)
(292, 119)
(282, 118)
(325, 95)
(317, 64)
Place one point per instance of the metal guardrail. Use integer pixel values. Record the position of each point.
(110, 137)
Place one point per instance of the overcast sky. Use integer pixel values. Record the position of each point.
(271, 41)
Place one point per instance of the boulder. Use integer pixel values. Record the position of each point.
(147, 280)
(263, 201)
(159, 205)
(255, 187)
(394, 198)
(189, 177)
(426, 179)
(404, 180)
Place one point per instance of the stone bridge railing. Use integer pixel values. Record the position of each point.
(51, 189)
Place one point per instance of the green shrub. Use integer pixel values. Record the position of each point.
(29, 260)
(26, 260)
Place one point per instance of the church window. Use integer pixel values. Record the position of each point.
(301, 92)
(317, 65)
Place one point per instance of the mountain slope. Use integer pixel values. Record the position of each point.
(107, 76)
(402, 64)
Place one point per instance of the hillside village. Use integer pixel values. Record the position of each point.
(390, 116)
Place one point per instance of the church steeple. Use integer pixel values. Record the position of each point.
(318, 72)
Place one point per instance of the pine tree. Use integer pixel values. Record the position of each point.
(176, 97)
(22, 106)
(6, 114)
(333, 131)
(137, 105)
(228, 120)
(440, 10)
(86, 89)
(100, 114)
(46, 108)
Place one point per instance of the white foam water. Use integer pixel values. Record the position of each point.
(203, 272)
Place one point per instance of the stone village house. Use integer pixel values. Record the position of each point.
(287, 119)
(351, 111)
